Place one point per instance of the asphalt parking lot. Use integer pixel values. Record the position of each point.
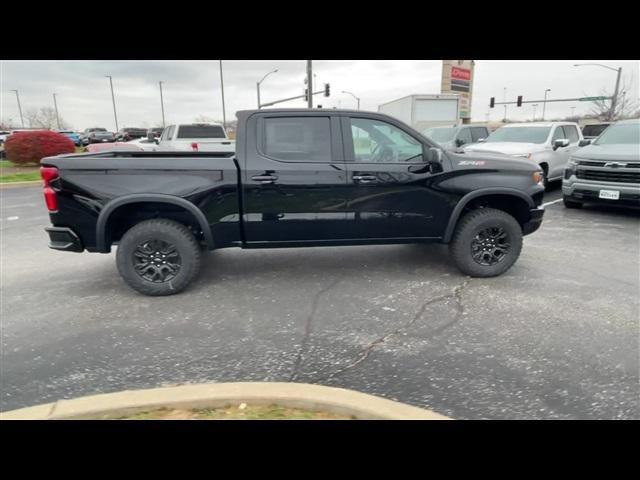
(556, 337)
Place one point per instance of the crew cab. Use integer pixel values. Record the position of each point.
(547, 144)
(299, 178)
(195, 137)
(97, 135)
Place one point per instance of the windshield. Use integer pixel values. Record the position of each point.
(627, 133)
(520, 134)
(441, 135)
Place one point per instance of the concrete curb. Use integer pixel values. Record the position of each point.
(20, 184)
(296, 395)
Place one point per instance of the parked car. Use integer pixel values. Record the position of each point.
(126, 134)
(3, 136)
(455, 137)
(547, 144)
(112, 146)
(608, 170)
(589, 132)
(156, 132)
(97, 135)
(147, 144)
(295, 181)
(201, 137)
(73, 136)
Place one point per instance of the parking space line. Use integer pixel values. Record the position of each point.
(551, 203)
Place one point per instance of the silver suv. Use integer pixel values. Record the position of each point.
(608, 170)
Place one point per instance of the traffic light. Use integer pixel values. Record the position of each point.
(326, 89)
(306, 94)
(519, 100)
(492, 102)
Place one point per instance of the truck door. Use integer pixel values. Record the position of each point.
(294, 187)
(392, 193)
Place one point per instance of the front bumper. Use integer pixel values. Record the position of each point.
(63, 238)
(535, 221)
(585, 191)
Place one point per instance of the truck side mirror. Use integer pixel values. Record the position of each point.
(584, 142)
(560, 143)
(434, 155)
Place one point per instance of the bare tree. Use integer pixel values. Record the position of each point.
(45, 117)
(624, 108)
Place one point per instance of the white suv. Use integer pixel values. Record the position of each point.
(548, 144)
(195, 137)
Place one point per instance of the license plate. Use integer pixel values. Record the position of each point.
(610, 194)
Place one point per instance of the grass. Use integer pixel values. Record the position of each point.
(20, 177)
(249, 412)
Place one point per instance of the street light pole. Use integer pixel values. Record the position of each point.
(544, 103)
(55, 104)
(614, 99)
(534, 105)
(504, 100)
(224, 114)
(19, 107)
(161, 102)
(113, 99)
(349, 93)
(258, 85)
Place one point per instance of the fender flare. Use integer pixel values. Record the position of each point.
(457, 211)
(111, 206)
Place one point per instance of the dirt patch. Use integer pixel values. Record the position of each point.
(236, 412)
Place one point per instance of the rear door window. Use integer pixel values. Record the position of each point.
(297, 139)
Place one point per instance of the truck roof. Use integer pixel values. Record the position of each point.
(537, 124)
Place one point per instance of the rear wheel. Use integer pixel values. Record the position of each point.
(158, 257)
(569, 203)
(486, 242)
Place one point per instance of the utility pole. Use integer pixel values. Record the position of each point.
(113, 99)
(224, 114)
(161, 102)
(534, 111)
(309, 84)
(55, 104)
(544, 103)
(19, 107)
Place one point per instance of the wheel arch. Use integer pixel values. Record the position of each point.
(112, 207)
(488, 194)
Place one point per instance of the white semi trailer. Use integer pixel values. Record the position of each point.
(425, 111)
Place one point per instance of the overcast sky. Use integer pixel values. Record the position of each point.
(192, 88)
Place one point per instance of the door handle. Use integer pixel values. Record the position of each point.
(264, 179)
(364, 178)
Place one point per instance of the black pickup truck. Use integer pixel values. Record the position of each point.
(298, 178)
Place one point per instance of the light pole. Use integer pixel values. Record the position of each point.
(534, 105)
(55, 104)
(19, 107)
(309, 84)
(614, 100)
(572, 110)
(161, 102)
(224, 114)
(504, 99)
(113, 99)
(349, 93)
(544, 103)
(258, 84)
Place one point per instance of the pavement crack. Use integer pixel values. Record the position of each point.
(364, 354)
(307, 328)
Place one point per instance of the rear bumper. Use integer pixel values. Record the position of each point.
(535, 221)
(63, 238)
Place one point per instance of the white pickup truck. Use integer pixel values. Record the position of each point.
(195, 137)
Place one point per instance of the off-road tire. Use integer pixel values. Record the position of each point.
(161, 230)
(569, 203)
(469, 226)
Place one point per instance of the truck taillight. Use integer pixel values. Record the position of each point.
(194, 146)
(49, 174)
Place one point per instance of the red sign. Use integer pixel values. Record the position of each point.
(460, 73)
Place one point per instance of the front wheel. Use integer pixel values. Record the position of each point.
(486, 242)
(158, 257)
